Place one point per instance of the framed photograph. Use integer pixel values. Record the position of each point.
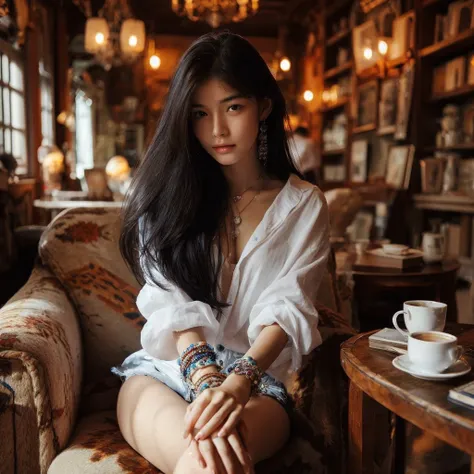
(439, 79)
(440, 28)
(365, 37)
(366, 107)
(388, 106)
(470, 69)
(468, 122)
(403, 36)
(359, 156)
(405, 95)
(432, 170)
(455, 73)
(459, 17)
(399, 165)
(378, 158)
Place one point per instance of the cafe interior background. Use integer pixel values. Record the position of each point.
(384, 87)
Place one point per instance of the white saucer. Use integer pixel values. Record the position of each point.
(403, 363)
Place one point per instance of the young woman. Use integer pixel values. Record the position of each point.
(231, 245)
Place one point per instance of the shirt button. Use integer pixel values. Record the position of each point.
(220, 347)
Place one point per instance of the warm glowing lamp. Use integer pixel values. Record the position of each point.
(96, 34)
(285, 64)
(155, 62)
(132, 36)
(368, 53)
(308, 96)
(383, 47)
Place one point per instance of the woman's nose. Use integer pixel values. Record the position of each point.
(220, 128)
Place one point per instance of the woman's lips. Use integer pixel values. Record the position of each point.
(224, 148)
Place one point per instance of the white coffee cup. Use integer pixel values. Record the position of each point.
(421, 315)
(433, 351)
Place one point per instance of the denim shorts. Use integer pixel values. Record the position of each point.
(168, 372)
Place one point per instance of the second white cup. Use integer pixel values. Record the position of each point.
(421, 315)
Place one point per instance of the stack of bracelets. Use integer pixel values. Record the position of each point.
(201, 354)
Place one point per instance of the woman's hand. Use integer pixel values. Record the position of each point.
(224, 455)
(217, 408)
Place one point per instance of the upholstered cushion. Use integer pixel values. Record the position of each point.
(81, 248)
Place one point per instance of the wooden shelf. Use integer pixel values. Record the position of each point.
(449, 46)
(462, 147)
(337, 71)
(336, 105)
(339, 151)
(338, 37)
(448, 95)
(441, 202)
(397, 62)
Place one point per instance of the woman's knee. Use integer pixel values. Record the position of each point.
(188, 464)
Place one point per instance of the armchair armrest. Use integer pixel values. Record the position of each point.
(40, 373)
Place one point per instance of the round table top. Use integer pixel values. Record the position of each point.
(423, 403)
(59, 205)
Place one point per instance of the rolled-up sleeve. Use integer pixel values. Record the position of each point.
(169, 310)
(289, 300)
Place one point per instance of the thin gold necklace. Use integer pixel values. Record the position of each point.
(237, 218)
(239, 196)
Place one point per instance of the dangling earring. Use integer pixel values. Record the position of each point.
(263, 144)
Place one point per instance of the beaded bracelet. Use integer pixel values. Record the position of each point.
(247, 366)
(210, 380)
(195, 357)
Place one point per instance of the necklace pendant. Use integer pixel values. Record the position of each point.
(235, 233)
(237, 220)
(237, 198)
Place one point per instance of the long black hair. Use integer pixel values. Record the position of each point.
(179, 196)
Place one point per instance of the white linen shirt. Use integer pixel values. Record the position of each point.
(275, 281)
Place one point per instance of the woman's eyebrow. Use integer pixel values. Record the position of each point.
(227, 99)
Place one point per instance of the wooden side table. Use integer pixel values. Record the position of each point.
(374, 380)
(379, 293)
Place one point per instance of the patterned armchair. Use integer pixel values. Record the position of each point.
(76, 317)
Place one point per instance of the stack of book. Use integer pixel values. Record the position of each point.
(379, 258)
(389, 339)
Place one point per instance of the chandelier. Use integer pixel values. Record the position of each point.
(114, 36)
(215, 12)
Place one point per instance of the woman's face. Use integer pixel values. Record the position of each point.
(226, 123)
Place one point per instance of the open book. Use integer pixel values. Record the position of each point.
(463, 395)
(389, 339)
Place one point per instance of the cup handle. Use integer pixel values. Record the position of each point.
(394, 320)
(458, 352)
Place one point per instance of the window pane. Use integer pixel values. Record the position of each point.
(1, 108)
(5, 69)
(16, 79)
(6, 106)
(8, 141)
(19, 145)
(18, 110)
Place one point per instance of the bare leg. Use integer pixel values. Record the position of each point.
(151, 418)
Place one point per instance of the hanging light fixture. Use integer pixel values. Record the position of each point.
(114, 37)
(215, 12)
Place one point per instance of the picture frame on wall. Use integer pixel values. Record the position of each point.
(388, 106)
(365, 36)
(459, 17)
(359, 157)
(432, 170)
(405, 96)
(378, 158)
(366, 107)
(403, 36)
(455, 73)
(399, 165)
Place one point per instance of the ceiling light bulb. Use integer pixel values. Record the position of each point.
(368, 53)
(308, 96)
(155, 61)
(133, 41)
(100, 38)
(285, 64)
(383, 47)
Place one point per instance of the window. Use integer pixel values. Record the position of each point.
(84, 133)
(12, 106)
(46, 75)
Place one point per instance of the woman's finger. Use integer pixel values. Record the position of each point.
(211, 456)
(193, 415)
(194, 449)
(240, 451)
(227, 456)
(209, 421)
(231, 422)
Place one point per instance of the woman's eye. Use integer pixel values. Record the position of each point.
(197, 114)
(235, 107)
